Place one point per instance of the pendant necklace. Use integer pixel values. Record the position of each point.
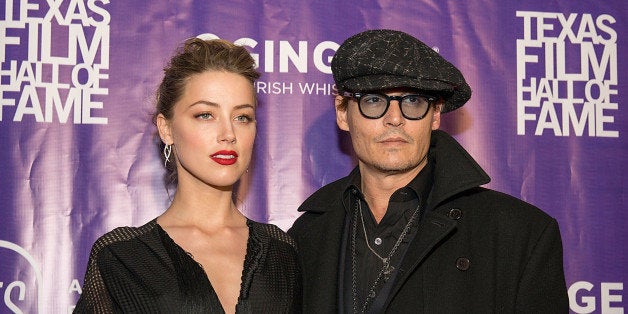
(387, 268)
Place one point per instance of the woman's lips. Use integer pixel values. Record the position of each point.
(225, 157)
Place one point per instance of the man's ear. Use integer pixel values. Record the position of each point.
(436, 116)
(165, 132)
(341, 113)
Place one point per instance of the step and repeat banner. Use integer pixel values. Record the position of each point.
(79, 156)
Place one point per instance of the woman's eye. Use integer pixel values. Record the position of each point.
(204, 116)
(243, 118)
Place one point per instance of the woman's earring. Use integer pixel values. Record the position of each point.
(167, 153)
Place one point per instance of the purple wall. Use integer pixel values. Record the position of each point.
(79, 154)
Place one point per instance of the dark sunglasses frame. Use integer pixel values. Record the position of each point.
(358, 96)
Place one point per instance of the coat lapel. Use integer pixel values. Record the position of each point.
(320, 248)
(432, 229)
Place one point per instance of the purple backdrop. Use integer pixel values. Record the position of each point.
(79, 154)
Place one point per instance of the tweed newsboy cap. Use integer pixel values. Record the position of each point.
(381, 59)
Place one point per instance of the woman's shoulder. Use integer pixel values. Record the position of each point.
(121, 235)
(271, 231)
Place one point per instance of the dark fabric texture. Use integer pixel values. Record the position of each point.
(403, 204)
(476, 250)
(142, 270)
(374, 60)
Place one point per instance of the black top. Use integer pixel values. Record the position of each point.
(382, 238)
(143, 270)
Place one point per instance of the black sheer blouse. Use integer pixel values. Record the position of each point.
(142, 270)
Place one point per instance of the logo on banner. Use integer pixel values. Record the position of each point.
(54, 57)
(282, 57)
(14, 291)
(585, 297)
(567, 75)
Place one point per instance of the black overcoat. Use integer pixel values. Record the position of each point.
(476, 251)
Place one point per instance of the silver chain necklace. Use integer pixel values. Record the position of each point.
(387, 269)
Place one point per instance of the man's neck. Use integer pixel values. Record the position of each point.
(378, 186)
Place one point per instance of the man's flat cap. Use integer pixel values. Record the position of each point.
(381, 59)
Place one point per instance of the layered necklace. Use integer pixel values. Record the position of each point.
(387, 268)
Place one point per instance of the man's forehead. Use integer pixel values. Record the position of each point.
(397, 90)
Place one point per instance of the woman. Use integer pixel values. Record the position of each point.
(201, 255)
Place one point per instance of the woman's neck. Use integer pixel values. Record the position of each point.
(204, 207)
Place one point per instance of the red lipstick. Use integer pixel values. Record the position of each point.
(225, 157)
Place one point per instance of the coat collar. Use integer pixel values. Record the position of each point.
(319, 257)
(454, 171)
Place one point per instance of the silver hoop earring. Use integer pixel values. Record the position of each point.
(167, 153)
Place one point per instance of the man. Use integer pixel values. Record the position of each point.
(410, 230)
